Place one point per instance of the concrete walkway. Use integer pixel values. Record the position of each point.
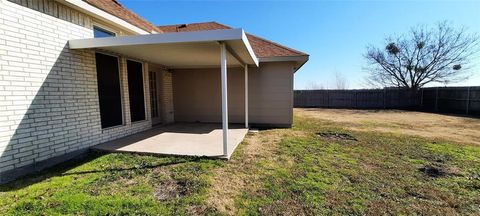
(193, 139)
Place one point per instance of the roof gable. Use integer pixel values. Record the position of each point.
(262, 47)
(115, 8)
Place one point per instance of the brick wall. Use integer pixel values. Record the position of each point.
(48, 93)
(167, 97)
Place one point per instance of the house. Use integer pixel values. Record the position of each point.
(76, 74)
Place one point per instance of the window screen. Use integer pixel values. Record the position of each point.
(135, 90)
(108, 79)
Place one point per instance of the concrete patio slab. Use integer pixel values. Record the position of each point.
(192, 139)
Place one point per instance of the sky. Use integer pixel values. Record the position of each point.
(334, 33)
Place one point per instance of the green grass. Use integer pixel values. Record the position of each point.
(380, 173)
(113, 184)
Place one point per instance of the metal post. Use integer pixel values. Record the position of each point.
(246, 96)
(436, 99)
(223, 69)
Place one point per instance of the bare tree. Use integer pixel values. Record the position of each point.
(340, 81)
(314, 86)
(440, 55)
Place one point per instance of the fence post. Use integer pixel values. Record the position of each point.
(421, 99)
(468, 99)
(308, 98)
(356, 100)
(436, 100)
(384, 98)
(328, 99)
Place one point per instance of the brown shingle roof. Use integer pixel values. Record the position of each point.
(115, 8)
(261, 46)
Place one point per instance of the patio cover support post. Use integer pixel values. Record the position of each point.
(246, 95)
(223, 69)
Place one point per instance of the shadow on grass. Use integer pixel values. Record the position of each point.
(63, 168)
(123, 169)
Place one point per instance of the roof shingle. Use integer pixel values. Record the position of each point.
(115, 8)
(261, 47)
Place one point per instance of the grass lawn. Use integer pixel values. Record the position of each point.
(324, 164)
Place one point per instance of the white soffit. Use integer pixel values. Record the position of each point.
(179, 49)
(299, 60)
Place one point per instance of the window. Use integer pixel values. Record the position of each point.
(100, 32)
(108, 80)
(135, 90)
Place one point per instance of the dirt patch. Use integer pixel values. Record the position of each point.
(453, 128)
(283, 207)
(171, 189)
(437, 170)
(336, 136)
(432, 171)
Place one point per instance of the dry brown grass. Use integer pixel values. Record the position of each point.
(429, 125)
(240, 183)
(241, 171)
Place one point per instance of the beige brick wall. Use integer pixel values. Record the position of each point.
(167, 98)
(48, 93)
(59, 11)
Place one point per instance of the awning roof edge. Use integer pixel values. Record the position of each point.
(170, 39)
(299, 60)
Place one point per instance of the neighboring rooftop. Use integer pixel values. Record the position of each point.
(115, 8)
(261, 46)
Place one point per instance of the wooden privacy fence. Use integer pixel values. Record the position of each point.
(464, 100)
